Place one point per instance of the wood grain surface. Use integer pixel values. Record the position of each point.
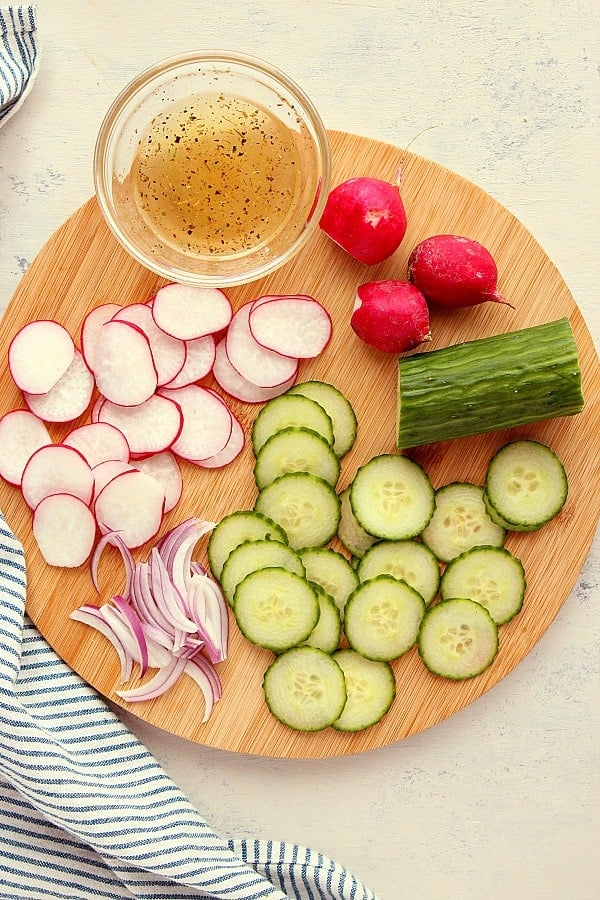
(82, 266)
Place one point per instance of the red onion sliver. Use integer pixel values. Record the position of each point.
(158, 684)
(135, 625)
(166, 596)
(91, 615)
(115, 540)
(205, 676)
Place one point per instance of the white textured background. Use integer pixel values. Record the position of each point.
(502, 800)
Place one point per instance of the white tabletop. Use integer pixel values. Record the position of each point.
(501, 800)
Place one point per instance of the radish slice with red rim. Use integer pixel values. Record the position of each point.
(230, 451)
(64, 529)
(99, 442)
(199, 360)
(105, 471)
(168, 353)
(297, 326)
(123, 364)
(39, 354)
(68, 398)
(207, 422)
(234, 384)
(165, 468)
(21, 434)
(149, 427)
(55, 469)
(132, 504)
(255, 363)
(186, 311)
(91, 326)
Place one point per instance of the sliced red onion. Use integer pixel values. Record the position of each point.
(92, 616)
(137, 631)
(177, 547)
(166, 594)
(207, 679)
(115, 540)
(145, 604)
(164, 679)
(208, 609)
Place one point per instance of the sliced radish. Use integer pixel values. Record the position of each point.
(56, 469)
(207, 422)
(185, 311)
(239, 387)
(96, 407)
(65, 530)
(165, 468)
(133, 505)
(21, 434)
(39, 354)
(123, 364)
(92, 324)
(68, 398)
(230, 451)
(149, 427)
(168, 353)
(98, 442)
(199, 360)
(297, 326)
(262, 367)
(106, 471)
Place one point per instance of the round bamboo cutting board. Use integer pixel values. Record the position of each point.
(82, 266)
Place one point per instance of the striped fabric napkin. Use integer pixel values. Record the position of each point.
(87, 812)
(19, 57)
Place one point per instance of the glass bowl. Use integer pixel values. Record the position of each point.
(212, 168)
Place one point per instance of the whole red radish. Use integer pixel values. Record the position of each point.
(454, 271)
(391, 316)
(366, 217)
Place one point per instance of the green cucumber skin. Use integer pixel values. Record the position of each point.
(488, 384)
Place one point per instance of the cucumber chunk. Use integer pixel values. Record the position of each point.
(488, 384)
(295, 449)
(409, 561)
(305, 689)
(327, 632)
(289, 410)
(331, 571)
(275, 608)
(371, 688)
(460, 522)
(304, 506)
(253, 555)
(337, 407)
(489, 575)
(350, 533)
(234, 529)
(382, 618)
(458, 639)
(526, 485)
(392, 497)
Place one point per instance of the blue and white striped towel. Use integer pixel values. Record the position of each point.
(87, 812)
(19, 57)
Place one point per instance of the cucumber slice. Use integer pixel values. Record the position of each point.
(382, 618)
(526, 485)
(288, 410)
(392, 497)
(305, 689)
(408, 561)
(489, 575)
(488, 384)
(460, 522)
(331, 571)
(295, 450)
(253, 555)
(350, 533)
(327, 632)
(275, 608)
(458, 639)
(371, 688)
(337, 407)
(304, 506)
(234, 529)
